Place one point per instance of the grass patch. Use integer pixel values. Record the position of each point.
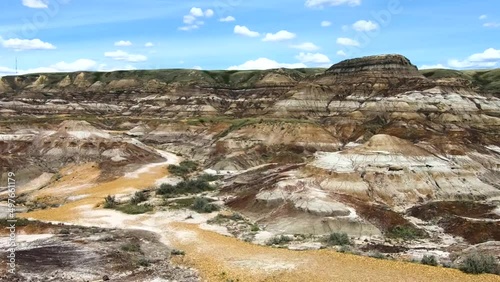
(479, 263)
(134, 209)
(405, 232)
(338, 239)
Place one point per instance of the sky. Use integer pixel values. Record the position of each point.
(107, 35)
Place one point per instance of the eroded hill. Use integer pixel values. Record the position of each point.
(396, 158)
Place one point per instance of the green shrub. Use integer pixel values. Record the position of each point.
(130, 247)
(429, 260)
(255, 228)
(109, 202)
(202, 205)
(138, 197)
(143, 262)
(183, 169)
(185, 187)
(165, 189)
(134, 209)
(479, 263)
(278, 240)
(338, 239)
(405, 232)
(176, 252)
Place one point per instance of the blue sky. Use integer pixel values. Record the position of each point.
(72, 35)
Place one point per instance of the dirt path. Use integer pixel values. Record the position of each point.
(221, 258)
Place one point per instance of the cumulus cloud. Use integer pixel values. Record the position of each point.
(209, 13)
(317, 58)
(323, 3)
(197, 12)
(243, 30)
(26, 44)
(326, 23)
(123, 43)
(363, 25)
(227, 19)
(347, 41)
(192, 20)
(306, 46)
(78, 65)
(341, 53)
(36, 4)
(487, 59)
(197, 68)
(436, 66)
(279, 36)
(149, 44)
(120, 55)
(265, 63)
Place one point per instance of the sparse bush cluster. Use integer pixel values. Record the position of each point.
(429, 260)
(278, 240)
(183, 169)
(132, 207)
(186, 187)
(203, 205)
(480, 263)
(405, 232)
(110, 202)
(338, 239)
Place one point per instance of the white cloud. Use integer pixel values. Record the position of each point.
(191, 20)
(26, 44)
(487, 59)
(306, 46)
(78, 65)
(363, 25)
(243, 30)
(188, 27)
(265, 63)
(326, 23)
(149, 44)
(322, 3)
(209, 13)
(123, 43)
(437, 66)
(279, 36)
(317, 58)
(341, 53)
(120, 55)
(491, 24)
(483, 17)
(36, 4)
(197, 12)
(227, 19)
(197, 68)
(347, 41)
